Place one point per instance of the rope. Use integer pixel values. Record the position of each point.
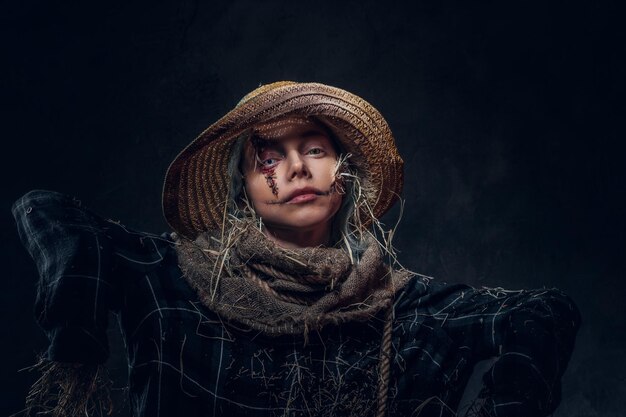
(384, 363)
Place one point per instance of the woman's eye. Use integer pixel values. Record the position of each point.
(269, 162)
(315, 151)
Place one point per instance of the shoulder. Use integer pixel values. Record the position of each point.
(436, 298)
(427, 293)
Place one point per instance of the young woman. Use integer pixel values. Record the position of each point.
(278, 294)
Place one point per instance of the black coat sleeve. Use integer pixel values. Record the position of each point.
(531, 334)
(76, 288)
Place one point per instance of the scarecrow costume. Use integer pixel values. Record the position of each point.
(219, 320)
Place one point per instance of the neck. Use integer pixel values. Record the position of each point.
(293, 239)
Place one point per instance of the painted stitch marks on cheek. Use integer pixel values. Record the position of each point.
(270, 178)
(267, 163)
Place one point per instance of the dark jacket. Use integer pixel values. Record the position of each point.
(185, 361)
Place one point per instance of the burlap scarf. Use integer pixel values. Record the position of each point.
(281, 291)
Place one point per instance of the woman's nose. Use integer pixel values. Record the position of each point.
(297, 166)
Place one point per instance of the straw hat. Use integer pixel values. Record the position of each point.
(195, 192)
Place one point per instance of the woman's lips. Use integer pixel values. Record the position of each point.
(303, 195)
(302, 198)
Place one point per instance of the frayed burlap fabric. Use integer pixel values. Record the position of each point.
(281, 291)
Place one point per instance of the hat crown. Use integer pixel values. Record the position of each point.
(263, 89)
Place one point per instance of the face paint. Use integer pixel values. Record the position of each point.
(270, 178)
(268, 172)
(288, 180)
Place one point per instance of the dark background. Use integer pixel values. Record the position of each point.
(509, 118)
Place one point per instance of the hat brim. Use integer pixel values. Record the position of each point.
(195, 191)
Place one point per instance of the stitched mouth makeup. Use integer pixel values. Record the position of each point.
(301, 195)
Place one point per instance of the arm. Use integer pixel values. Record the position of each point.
(534, 341)
(74, 295)
(530, 333)
(75, 290)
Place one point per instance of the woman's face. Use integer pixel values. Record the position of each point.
(289, 180)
